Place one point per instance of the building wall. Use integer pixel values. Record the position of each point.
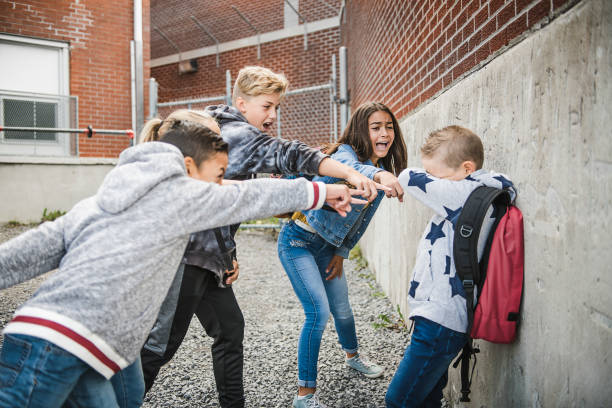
(421, 48)
(306, 116)
(54, 184)
(173, 18)
(541, 108)
(99, 33)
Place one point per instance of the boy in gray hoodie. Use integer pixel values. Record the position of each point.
(117, 253)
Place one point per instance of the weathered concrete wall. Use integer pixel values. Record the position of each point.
(543, 111)
(27, 189)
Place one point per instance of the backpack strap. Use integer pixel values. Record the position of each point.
(465, 255)
(465, 241)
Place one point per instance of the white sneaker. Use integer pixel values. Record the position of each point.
(365, 367)
(309, 401)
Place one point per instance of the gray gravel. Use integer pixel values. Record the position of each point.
(273, 318)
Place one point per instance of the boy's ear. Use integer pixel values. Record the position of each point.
(190, 166)
(241, 104)
(469, 166)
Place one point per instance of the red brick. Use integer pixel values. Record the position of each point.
(498, 41)
(505, 14)
(481, 53)
(495, 5)
(538, 12)
(557, 4)
(488, 29)
(99, 59)
(517, 27)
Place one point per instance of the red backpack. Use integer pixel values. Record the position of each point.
(498, 278)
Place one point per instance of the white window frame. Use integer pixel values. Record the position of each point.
(60, 147)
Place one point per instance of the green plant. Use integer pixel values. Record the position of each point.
(390, 322)
(357, 256)
(14, 224)
(269, 220)
(51, 215)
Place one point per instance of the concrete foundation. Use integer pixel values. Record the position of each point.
(543, 110)
(30, 185)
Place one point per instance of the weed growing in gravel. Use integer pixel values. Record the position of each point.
(51, 215)
(357, 256)
(14, 224)
(391, 322)
(376, 292)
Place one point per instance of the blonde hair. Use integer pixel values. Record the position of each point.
(255, 81)
(155, 128)
(457, 144)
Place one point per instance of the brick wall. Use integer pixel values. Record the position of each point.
(302, 68)
(404, 52)
(314, 10)
(173, 18)
(99, 33)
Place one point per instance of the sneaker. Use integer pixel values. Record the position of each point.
(310, 401)
(365, 367)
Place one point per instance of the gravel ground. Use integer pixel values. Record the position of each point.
(273, 318)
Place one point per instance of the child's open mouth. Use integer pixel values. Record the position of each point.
(382, 146)
(267, 126)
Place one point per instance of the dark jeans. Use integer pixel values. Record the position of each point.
(423, 372)
(219, 313)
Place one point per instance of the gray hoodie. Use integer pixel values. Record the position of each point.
(118, 251)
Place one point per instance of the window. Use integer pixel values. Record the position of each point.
(34, 90)
(22, 113)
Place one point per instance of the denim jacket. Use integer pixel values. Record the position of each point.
(344, 232)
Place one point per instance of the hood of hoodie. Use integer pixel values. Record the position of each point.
(139, 169)
(224, 113)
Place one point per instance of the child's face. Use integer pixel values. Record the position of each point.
(435, 166)
(381, 131)
(259, 111)
(211, 170)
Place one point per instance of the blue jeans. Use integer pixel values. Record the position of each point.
(423, 372)
(305, 257)
(37, 373)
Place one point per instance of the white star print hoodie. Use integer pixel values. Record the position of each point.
(436, 293)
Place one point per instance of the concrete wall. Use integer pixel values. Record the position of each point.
(543, 111)
(28, 188)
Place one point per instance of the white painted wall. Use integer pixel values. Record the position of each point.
(543, 111)
(28, 188)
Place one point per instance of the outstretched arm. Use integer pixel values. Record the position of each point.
(333, 168)
(445, 197)
(32, 253)
(251, 151)
(207, 205)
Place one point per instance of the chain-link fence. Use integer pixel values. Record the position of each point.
(307, 114)
(165, 108)
(37, 120)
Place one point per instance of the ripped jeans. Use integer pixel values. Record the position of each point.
(305, 256)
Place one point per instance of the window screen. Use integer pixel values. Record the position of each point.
(24, 113)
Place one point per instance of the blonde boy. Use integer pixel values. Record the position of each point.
(452, 158)
(257, 94)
